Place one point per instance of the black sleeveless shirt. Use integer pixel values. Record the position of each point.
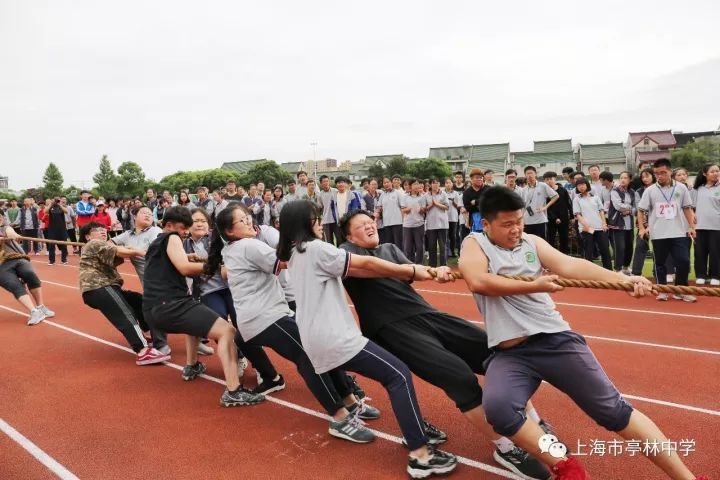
(161, 282)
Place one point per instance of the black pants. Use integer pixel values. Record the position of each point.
(413, 243)
(381, 235)
(282, 336)
(26, 243)
(394, 235)
(378, 364)
(539, 229)
(677, 249)
(437, 239)
(707, 254)
(453, 239)
(641, 248)
(57, 235)
(124, 310)
(16, 274)
(72, 236)
(562, 231)
(332, 233)
(623, 248)
(443, 350)
(597, 240)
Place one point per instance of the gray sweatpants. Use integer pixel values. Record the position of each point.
(414, 243)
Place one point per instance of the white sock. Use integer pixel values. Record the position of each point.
(504, 444)
(533, 415)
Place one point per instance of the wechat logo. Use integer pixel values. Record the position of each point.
(549, 443)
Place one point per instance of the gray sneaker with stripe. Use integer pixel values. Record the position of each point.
(351, 428)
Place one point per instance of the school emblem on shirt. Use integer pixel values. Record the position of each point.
(677, 194)
(530, 257)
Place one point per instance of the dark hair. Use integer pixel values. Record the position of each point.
(85, 229)
(509, 171)
(177, 214)
(499, 199)
(568, 170)
(84, 191)
(575, 174)
(583, 181)
(187, 196)
(230, 181)
(364, 181)
(310, 180)
(223, 223)
(323, 177)
(345, 220)
(607, 176)
(701, 178)
(459, 173)
(291, 182)
(594, 165)
(489, 171)
(434, 179)
(282, 193)
(297, 175)
(200, 210)
(529, 167)
(341, 178)
(650, 172)
(547, 175)
(296, 227)
(520, 182)
(396, 176)
(662, 162)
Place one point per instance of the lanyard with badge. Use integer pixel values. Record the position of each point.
(666, 210)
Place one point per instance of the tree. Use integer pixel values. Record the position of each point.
(72, 193)
(376, 171)
(694, 155)
(268, 172)
(53, 181)
(106, 179)
(427, 168)
(131, 179)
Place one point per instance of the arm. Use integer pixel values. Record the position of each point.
(474, 267)
(554, 198)
(178, 257)
(362, 266)
(642, 221)
(603, 220)
(443, 203)
(690, 217)
(618, 204)
(127, 252)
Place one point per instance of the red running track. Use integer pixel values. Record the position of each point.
(86, 405)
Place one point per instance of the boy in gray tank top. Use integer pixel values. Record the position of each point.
(531, 341)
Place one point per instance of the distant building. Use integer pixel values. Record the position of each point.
(609, 157)
(4, 183)
(683, 138)
(494, 156)
(242, 166)
(639, 145)
(547, 156)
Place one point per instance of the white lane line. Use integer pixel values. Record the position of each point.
(299, 408)
(585, 305)
(565, 304)
(630, 342)
(42, 457)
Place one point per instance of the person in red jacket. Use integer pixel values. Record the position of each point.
(101, 215)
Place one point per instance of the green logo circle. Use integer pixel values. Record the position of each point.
(530, 257)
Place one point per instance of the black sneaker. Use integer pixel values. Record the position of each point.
(434, 435)
(240, 397)
(191, 372)
(439, 463)
(269, 386)
(356, 389)
(522, 464)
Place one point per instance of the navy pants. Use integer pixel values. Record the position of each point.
(677, 248)
(539, 229)
(707, 254)
(414, 243)
(378, 364)
(563, 360)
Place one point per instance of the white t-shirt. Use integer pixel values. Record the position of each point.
(328, 330)
(342, 203)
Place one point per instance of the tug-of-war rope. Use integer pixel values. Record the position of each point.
(564, 282)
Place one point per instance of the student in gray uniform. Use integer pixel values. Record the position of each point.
(642, 244)
(590, 216)
(538, 197)
(532, 342)
(453, 217)
(330, 335)
(668, 206)
(436, 223)
(265, 320)
(707, 210)
(329, 222)
(413, 207)
(608, 183)
(389, 210)
(621, 213)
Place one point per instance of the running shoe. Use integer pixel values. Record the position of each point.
(570, 469)
(366, 411)
(242, 365)
(240, 397)
(434, 435)
(700, 281)
(36, 316)
(351, 428)
(522, 464)
(714, 282)
(150, 357)
(356, 388)
(270, 386)
(191, 372)
(48, 313)
(439, 463)
(662, 297)
(205, 349)
(688, 298)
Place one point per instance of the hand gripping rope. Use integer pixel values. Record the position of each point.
(625, 286)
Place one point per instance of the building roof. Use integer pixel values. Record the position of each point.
(602, 152)
(373, 159)
(644, 157)
(552, 146)
(683, 138)
(535, 159)
(242, 166)
(663, 138)
(497, 166)
(292, 167)
(472, 153)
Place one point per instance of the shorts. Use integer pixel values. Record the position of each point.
(185, 315)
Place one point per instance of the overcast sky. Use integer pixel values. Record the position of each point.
(187, 85)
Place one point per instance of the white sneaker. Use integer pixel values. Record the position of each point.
(242, 365)
(688, 298)
(677, 296)
(36, 316)
(670, 278)
(205, 349)
(700, 281)
(48, 313)
(715, 282)
(662, 297)
(165, 350)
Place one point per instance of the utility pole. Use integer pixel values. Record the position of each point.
(314, 145)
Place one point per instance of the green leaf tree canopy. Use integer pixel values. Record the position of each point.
(694, 155)
(106, 179)
(53, 181)
(268, 172)
(131, 179)
(430, 168)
